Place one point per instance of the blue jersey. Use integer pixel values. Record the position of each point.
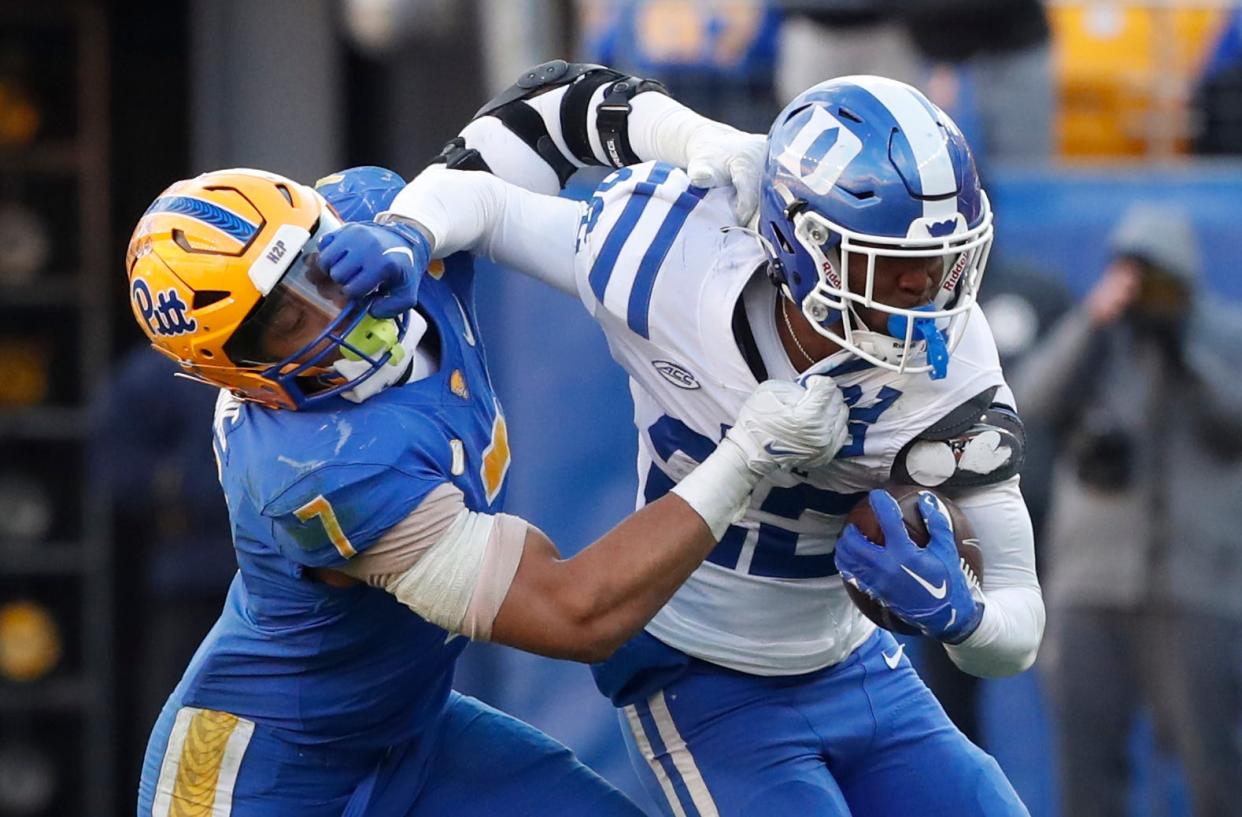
(351, 666)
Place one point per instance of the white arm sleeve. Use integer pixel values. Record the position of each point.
(450, 565)
(661, 129)
(475, 211)
(1012, 627)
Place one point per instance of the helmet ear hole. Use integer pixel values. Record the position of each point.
(207, 297)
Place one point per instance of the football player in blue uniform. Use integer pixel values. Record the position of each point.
(363, 456)
(760, 685)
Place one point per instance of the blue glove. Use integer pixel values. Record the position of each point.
(388, 259)
(925, 586)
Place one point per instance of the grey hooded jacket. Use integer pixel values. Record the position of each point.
(1147, 493)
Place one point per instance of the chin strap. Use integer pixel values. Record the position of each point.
(376, 337)
(776, 267)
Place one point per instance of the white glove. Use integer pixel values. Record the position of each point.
(717, 155)
(781, 426)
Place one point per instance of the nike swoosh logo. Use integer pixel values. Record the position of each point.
(404, 250)
(467, 333)
(937, 591)
(776, 451)
(894, 659)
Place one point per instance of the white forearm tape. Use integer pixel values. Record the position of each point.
(449, 564)
(718, 489)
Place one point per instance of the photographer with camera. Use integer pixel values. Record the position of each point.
(1145, 571)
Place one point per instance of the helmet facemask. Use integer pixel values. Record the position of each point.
(917, 339)
(344, 346)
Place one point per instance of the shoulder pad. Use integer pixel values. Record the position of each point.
(971, 447)
(355, 474)
(960, 418)
(360, 193)
(338, 511)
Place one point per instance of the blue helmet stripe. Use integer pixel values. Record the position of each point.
(209, 213)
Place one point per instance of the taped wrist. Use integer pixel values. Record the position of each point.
(718, 489)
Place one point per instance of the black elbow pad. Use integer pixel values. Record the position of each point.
(584, 80)
(975, 448)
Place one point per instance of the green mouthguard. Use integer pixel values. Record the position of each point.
(373, 337)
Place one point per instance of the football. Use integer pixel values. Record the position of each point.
(907, 497)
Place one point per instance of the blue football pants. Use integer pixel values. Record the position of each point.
(858, 738)
(475, 761)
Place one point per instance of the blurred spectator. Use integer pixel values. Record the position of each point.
(1022, 305)
(1218, 99)
(153, 450)
(1145, 577)
(822, 39)
(716, 56)
(997, 56)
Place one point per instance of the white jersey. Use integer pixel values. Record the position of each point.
(662, 279)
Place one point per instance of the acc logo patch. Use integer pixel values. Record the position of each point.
(164, 313)
(679, 376)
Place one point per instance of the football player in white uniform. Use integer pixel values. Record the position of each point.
(760, 685)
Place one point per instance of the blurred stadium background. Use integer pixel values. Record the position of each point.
(113, 552)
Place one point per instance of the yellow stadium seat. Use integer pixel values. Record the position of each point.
(1125, 74)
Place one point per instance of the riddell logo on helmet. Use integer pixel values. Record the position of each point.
(165, 313)
(950, 281)
(830, 274)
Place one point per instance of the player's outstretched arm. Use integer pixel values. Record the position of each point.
(586, 606)
(557, 118)
(561, 116)
(497, 578)
(482, 214)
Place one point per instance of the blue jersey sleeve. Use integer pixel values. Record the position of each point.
(337, 511)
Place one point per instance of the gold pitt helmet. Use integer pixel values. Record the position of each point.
(224, 279)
